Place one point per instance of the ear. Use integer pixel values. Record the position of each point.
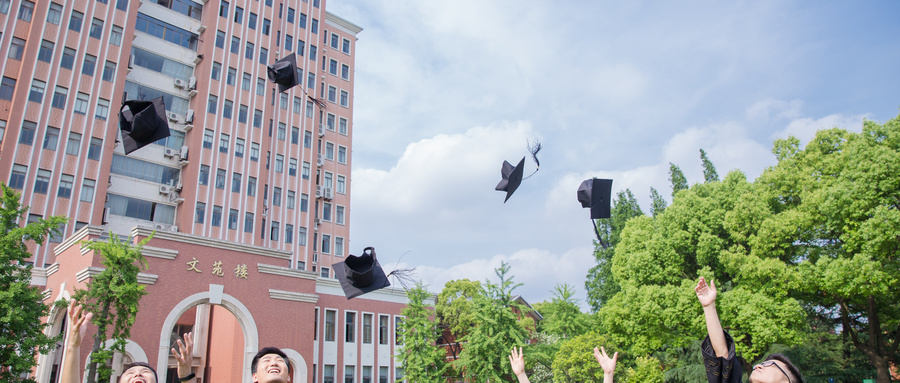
(255, 378)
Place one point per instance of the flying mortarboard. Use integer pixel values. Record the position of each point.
(595, 194)
(142, 122)
(284, 73)
(513, 175)
(360, 274)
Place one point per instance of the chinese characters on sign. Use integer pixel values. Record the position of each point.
(240, 271)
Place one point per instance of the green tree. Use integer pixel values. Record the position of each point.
(497, 330)
(599, 283)
(677, 179)
(647, 369)
(709, 170)
(21, 304)
(837, 215)
(575, 360)
(422, 359)
(705, 231)
(562, 316)
(113, 296)
(455, 310)
(657, 203)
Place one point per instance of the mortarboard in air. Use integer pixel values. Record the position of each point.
(360, 274)
(512, 176)
(142, 122)
(595, 194)
(284, 73)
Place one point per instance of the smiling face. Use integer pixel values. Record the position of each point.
(138, 374)
(271, 368)
(771, 371)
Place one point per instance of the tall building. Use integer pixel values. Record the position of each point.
(250, 177)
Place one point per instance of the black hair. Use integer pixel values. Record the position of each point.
(270, 350)
(136, 364)
(791, 369)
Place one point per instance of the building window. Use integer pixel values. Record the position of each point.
(208, 139)
(26, 10)
(102, 109)
(235, 183)
(220, 39)
(324, 272)
(17, 177)
(37, 91)
(382, 329)
(54, 15)
(326, 243)
(42, 181)
(75, 21)
(288, 233)
(122, 5)
(87, 190)
(335, 40)
(326, 212)
(16, 48)
(88, 65)
(166, 31)
(231, 76)
(383, 375)
(332, 94)
(329, 329)
(45, 54)
(266, 26)
(235, 45)
(260, 91)
(307, 139)
(329, 122)
(65, 186)
(199, 212)
(220, 178)
(248, 222)
(295, 135)
(81, 103)
(109, 70)
(279, 163)
(329, 151)
(291, 199)
(251, 21)
(312, 52)
(367, 328)
(345, 47)
(51, 138)
(212, 104)
(292, 167)
(73, 146)
(342, 155)
(345, 72)
(238, 15)
(398, 339)
(276, 196)
(339, 217)
(311, 82)
(217, 216)
(68, 58)
(94, 149)
(349, 374)
(26, 136)
(239, 147)
(223, 9)
(333, 67)
(204, 175)
(115, 37)
(282, 130)
(302, 20)
(251, 186)
(301, 236)
(254, 151)
(263, 56)
(314, 26)
(59, 98)
(232, 219)
(339, 246)
(216, 73)
(227, 108)
(328, 372)
(245, 82)
(7, 87)
(304, 202)
(96, 28)
(345, 98)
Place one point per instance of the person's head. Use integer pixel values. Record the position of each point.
(776, 368)
(271, 365)
(138, 372)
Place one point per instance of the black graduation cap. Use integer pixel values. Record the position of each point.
(360, 274)
(512, 175)
(142, 122)
(284, 73)
(512, 178)
(595, 194)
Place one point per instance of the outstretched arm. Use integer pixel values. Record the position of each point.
(517, 361)
(608, 364)
(185, 356)
(707, 296)
(77, 323)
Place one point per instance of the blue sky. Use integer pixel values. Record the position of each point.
(445, 91)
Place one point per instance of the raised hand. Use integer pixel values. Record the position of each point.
(517, 361)
(706, 293)
(184, 355)
(78, 322)
(608, 364)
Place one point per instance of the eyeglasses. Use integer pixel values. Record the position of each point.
(770, 363)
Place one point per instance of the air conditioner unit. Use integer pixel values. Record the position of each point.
(201, 28)
(179, 186)
(109, 183)
(192, 83)
(131, 62)
(178, 201)
(319, 193)
(320, 160)
(179, 83)
(169, 152)
(173, 116)
(189, 117)
(188, 127)
(183, 163)
(198, 59)
(321, 130)
(329, 193)
(184, 153)
(105, 218)
(165, 189)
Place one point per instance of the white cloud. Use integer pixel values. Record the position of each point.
(772, 109)
(805, 128)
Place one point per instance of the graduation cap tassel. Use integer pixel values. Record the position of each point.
(534, 147)
(404, 277)
(599, 239)
(319, 102)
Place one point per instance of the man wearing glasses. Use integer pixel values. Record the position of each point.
(718, 349)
